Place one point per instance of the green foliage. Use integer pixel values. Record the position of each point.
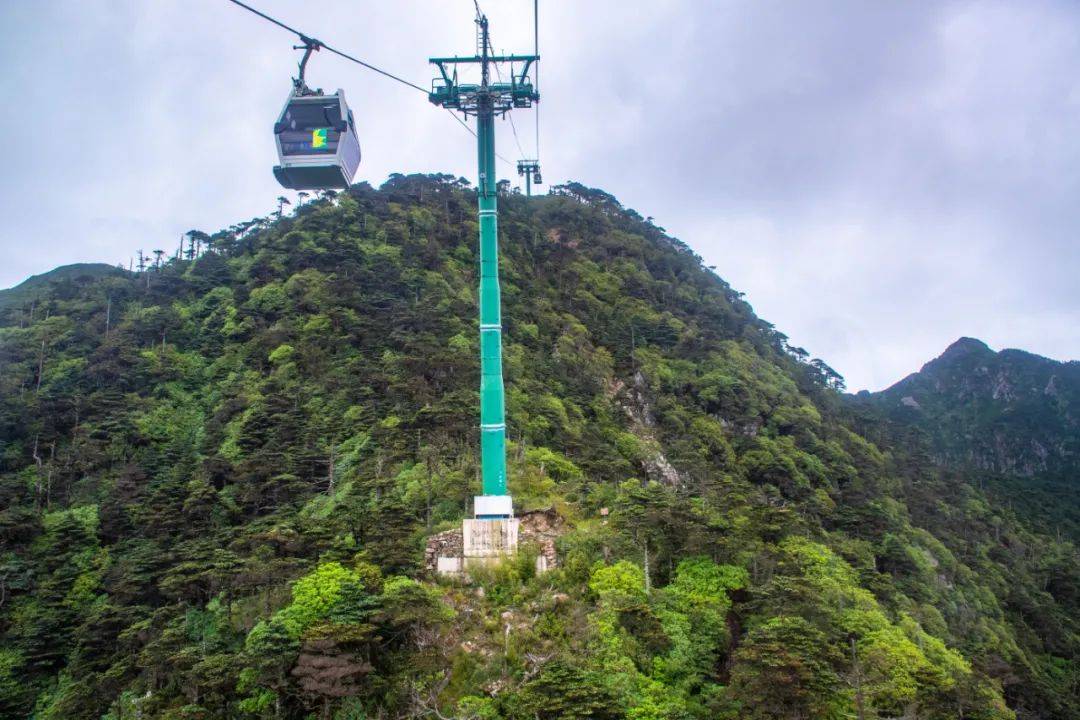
(786, 668)
(701, 583)
(620, 585)
(217, 476)
(12, 694)
(314, 596)
(564, 692)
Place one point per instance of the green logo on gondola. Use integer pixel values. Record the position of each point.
(318, 138)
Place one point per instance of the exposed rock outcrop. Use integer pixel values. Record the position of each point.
(632, 399)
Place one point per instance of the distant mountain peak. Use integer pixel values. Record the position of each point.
(965, 346)
(90, 270)
(35, 285)
(1010, 411)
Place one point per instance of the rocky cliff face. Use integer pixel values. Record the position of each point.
(1009, 412)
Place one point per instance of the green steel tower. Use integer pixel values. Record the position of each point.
(485, 101)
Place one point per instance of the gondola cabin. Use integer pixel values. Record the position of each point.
(316, 142)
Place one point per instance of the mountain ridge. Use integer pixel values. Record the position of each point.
(1021, 410)
(214, 501)
(28, 290)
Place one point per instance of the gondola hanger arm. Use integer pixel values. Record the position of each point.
(310, 44)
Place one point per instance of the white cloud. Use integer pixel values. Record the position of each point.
(879, 179)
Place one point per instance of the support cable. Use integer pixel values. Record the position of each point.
(308, 41)
(510, 116)
(479, 16)
(307, 38)
(473, 133)
(521, 151)
(461, 122)
(536, 70)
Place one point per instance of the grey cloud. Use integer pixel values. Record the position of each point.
(879, 178)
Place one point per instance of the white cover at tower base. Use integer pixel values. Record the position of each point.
(498, 506)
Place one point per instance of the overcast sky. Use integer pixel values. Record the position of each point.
(878, 178)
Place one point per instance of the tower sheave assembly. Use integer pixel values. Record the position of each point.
(493, 531)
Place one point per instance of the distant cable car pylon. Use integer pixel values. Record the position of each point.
(531, 170)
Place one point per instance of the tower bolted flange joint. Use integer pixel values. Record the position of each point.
(485, 101)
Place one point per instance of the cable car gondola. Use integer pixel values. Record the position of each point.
(316, 143)
(316, 137)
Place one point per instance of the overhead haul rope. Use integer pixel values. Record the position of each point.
(510, 116)
(498, 73)
(308, 40)
(536, 43)
(536, 69)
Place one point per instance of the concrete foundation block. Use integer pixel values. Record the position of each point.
(490, 537)
(472, 563)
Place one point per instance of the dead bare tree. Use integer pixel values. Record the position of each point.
(40, 366)
(37, 476)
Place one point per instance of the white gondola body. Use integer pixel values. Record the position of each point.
(316, 143)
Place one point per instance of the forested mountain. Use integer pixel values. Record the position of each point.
(1008, 412)
(27, 292)
(1009, 419)
(217, 477)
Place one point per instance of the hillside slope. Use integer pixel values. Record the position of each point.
(216, 507)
